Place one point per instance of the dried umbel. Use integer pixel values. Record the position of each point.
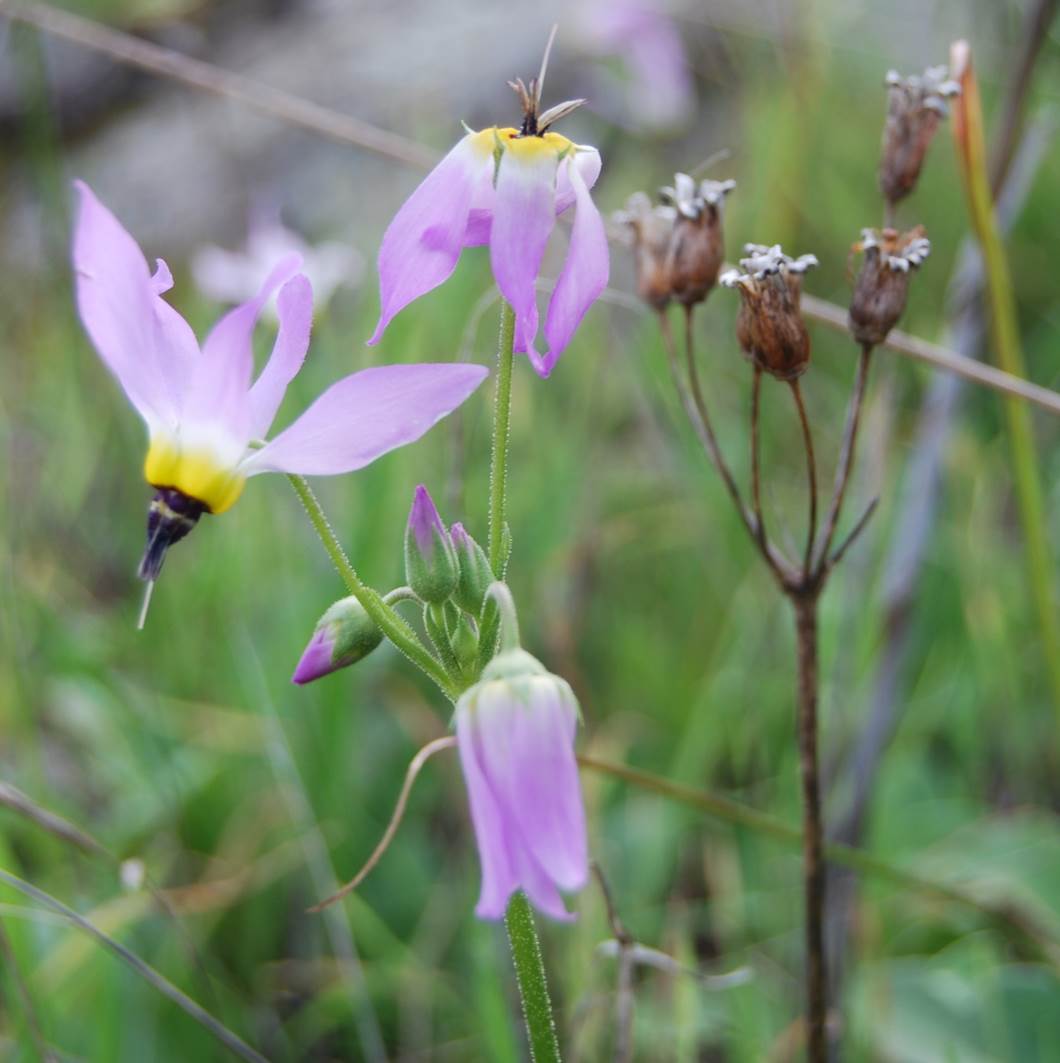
(770, 326)
(915, 106)
(883, 283)
(697, 246)
(651, 226)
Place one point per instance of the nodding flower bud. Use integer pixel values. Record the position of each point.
(344, 635)
(651, 227)
(697, 246)
(430, 561)
(915, 106)
(883, 283)
(770, 326)
(474, 572)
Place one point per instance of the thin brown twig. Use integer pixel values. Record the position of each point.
(852, 535)
(846, 457)
(756, 476)
(622, 1051)
(414, 768)
(696, 411)
(811, 475)
(702, 419)
(939, 357)
(134, 51)
(13, 798)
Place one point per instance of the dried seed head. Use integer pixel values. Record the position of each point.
(697, 246)
(651, 228)
(883, 283)
(915, 105)
(770, 326)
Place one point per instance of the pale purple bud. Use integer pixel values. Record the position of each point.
(430, 561)
(344, 635)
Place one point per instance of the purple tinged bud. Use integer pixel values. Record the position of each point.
(344, 635)
(430, 561)
(475, 574)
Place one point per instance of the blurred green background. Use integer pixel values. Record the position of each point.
(186, 747)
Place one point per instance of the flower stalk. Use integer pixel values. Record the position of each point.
(533, 984)
(502, 416)
(384, 616)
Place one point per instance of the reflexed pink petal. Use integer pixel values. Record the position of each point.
(220, 386)
(583, 278)
(142, 340)
(365, 415)
(587, 163)
(295, 311)
(491, 831)
(422, 244)
(523, 219)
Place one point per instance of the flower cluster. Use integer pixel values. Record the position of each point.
(515, 722)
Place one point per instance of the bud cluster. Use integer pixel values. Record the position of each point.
(678, 243)
(446, 571)
(915, 106)
(882, 285)
(770, 326)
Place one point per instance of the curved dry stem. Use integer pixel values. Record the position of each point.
(414, 768)
(846, 462)
(811, 474)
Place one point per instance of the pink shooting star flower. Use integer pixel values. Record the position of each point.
(504, 187)
(206, 421)
(515, 732)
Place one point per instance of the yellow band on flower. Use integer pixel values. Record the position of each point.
(195, 474)
(534, 146)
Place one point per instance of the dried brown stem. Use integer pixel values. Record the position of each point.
(696, 411)
(756, 476)
(939, 357)
(415, 765)
(811, 475)
(813, 869)
(622, 1051)
(133, 51)
(846, 457)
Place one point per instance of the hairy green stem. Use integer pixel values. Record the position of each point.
(519, 920)
(385, 618)
(533, 986)
(502, 417)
